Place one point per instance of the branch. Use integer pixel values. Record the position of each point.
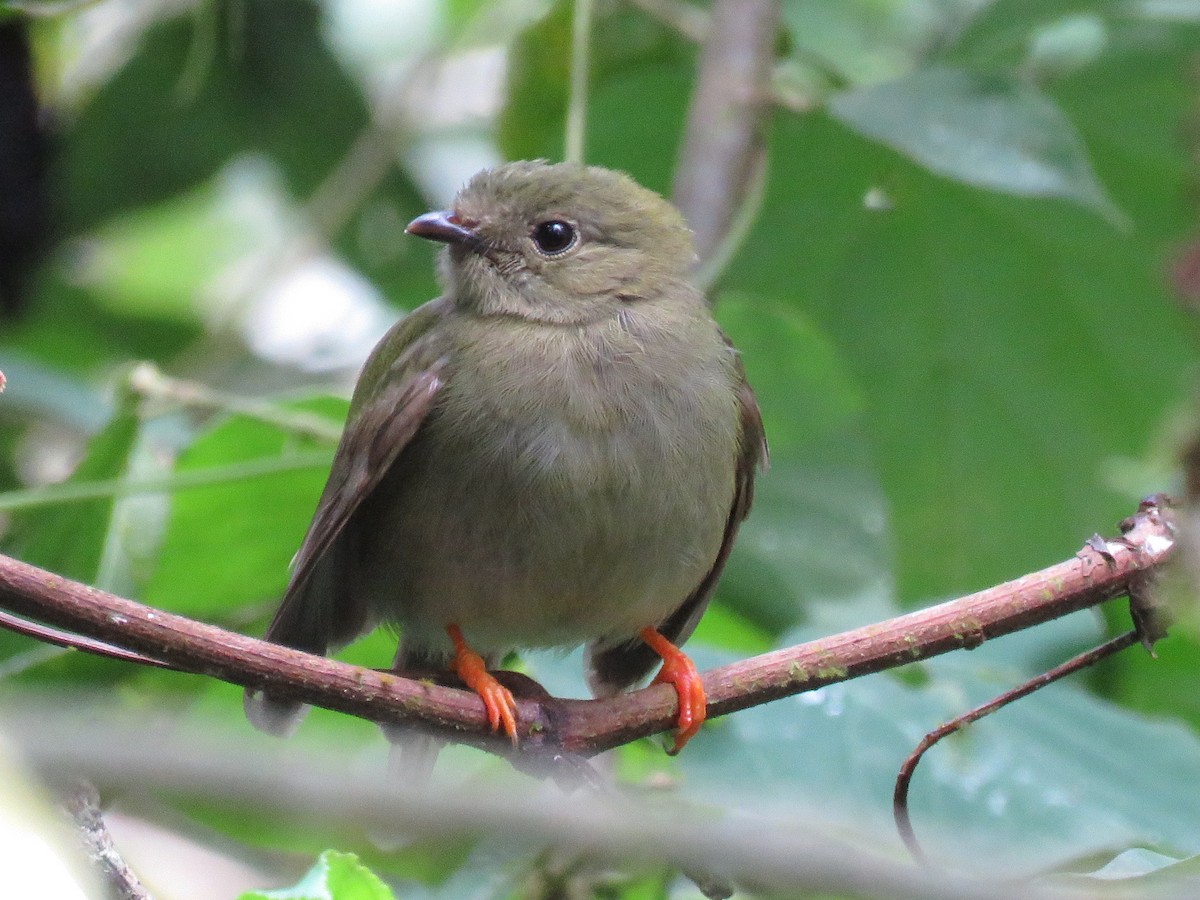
(900, 793)
(779, 851)
(83, 803)
(724, 140)
(1100, 571)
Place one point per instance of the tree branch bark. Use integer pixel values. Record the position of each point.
(724, 140)
(1100, 571)
(83, 803)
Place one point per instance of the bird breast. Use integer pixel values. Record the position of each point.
(570, 485)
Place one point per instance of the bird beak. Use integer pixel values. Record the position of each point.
(447, 227)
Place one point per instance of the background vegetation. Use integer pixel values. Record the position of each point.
(954, 301)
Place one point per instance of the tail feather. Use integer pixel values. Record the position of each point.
(316, 615)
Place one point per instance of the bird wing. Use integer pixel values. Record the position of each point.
(395, 392)
(615, 668)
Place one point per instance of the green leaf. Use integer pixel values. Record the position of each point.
(1145, 871)
(812, 545)
(867, 41)
(336, 876)
(633, 56)
(73, 541)
(990, 131)
(988, 336)
(237, 77)
(229, 544)
(1029, 789)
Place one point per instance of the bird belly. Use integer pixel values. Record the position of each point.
(538, 534)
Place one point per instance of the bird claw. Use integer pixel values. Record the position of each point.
(498, 701)
(679, 671)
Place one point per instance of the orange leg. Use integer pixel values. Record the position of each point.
(497, 699)
(680, 671)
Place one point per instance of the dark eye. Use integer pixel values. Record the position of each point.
(555, 237)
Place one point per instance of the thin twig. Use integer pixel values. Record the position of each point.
(59, 638)
(351, 182)
(785, 853)
(581, 38)
(75, 491)
(83, 803)
(586, 727)
(693, 23)
(900, 810)
(712, 268)
(148, 381)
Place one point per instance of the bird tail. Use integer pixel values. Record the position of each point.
(316, 615)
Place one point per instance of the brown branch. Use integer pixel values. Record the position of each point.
(48, 635)
(724, 137)
(1099, 572)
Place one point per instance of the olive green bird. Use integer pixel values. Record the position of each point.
(557, 451)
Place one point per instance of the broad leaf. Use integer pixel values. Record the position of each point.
(991, 131)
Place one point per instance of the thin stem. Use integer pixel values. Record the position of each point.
(148, 381)
(74, 492)
(712, 268)
(83, 804)
(904, 778)
(777, 854)
(725, 136)
(581, 33)
(67, 641)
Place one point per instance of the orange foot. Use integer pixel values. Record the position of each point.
(680, 671)
(497, 699)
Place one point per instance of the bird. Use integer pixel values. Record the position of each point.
(557, 451)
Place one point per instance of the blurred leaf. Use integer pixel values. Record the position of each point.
(229, 544)
(1004, 34)
(157, 260)
(868, 41)
(990, 131)
(72, 541)
(1065, 45)
(492, 21)
(988, 336)
(1025, 790)
(641, 81)
(814, 536)
(67, 331)
(336, 876)
(41, 391)
(237, 77)
(1147, 872)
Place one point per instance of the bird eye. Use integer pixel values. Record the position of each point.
(555, 237)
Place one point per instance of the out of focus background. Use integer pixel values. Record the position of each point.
(964, 287)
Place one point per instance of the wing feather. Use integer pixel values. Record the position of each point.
(391, 402)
